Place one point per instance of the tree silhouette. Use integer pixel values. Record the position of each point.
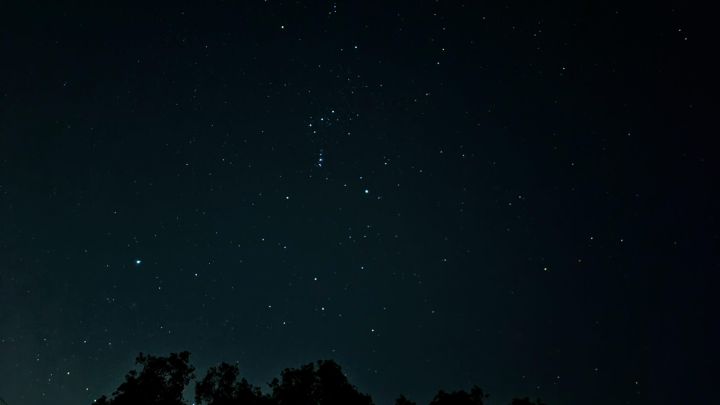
(474, 397)
(221, 387)
(324, 384)
(160, 382)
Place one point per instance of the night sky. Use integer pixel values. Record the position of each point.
(434, 194)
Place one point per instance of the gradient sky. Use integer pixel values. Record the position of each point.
(435, 194)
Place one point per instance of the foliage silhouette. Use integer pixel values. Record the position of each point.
(162, 380)
(474, 397)
(321, 384)
(221, 387)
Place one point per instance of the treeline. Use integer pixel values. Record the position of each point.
(162, 381)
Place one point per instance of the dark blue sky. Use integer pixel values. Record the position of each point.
(435, 194)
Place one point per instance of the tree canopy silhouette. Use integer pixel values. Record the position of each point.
(162, 381)
(474, 397)
(221, 387)
(322, 384)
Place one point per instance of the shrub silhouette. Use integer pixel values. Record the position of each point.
(162, 380)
